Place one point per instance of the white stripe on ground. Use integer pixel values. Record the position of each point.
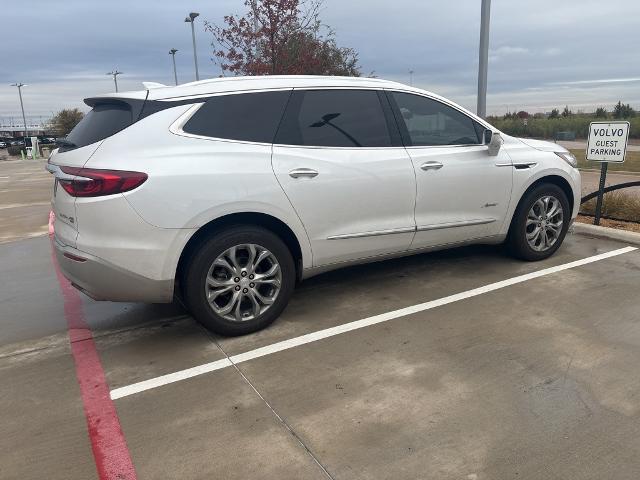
(348, 327)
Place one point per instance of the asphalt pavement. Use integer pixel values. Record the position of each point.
(459, 364)
(498, 369)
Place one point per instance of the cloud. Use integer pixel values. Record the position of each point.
(542, 53)
(598, 81)
(504, 52)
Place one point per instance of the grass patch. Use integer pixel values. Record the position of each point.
(631, 162)
(620, 205)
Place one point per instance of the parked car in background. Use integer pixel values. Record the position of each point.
(228, 192)
(3, 144)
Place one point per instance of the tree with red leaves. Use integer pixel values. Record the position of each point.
(280, 37)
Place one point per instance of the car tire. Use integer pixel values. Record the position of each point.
(535, 214)
(218, 264)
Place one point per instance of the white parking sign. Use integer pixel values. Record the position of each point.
(607, 141)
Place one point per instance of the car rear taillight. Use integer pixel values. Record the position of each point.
(92, 182)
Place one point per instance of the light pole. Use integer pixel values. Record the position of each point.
(483, 60)
(24, 119)
(172, 52)
(411, 78)
(192, 16)
(115, 74)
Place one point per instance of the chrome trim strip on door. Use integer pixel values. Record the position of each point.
(464, 223)
(372, 234)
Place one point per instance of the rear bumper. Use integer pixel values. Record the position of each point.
(102, 280)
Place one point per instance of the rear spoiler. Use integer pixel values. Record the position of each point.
(150, 85)
(136, 104)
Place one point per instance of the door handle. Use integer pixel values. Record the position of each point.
(303, 172)
(431, 166)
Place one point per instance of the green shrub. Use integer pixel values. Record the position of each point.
(549, 127)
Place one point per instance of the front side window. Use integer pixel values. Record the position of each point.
(250, 117)
(334, 118)
(429, 122)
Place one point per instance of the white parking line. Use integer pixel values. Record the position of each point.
(348, 327)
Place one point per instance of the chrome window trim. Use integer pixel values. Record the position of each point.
(415, 147)
(177, 126)
(220, 94)
(317, 147)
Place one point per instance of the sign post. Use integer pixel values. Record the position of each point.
(603, 178)
(607, 144)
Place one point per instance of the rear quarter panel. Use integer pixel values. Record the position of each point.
(193, 181)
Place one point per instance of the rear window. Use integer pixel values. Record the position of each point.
(104, 120)
(250, 117)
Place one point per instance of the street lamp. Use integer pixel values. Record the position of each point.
(172, 52)
(115, 73)
(24, 119)
(485, 16)
(192, 16)
(411, 78)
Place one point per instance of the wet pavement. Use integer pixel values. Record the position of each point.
(534, 380)
(25, 199)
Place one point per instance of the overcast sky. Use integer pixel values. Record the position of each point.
(543, 53)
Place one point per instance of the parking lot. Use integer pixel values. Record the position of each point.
(460, 364)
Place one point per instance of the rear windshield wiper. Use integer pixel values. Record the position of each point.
(63, 142)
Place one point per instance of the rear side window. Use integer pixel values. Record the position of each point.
(250, 117)
(429, 122)
(104, 120)
(334, 118)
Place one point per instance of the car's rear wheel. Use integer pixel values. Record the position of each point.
(540, 223)
(240, 280)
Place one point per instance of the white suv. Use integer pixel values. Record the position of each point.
(229, 191)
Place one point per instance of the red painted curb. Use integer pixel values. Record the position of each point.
(112, 457)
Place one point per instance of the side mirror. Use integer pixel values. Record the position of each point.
(494, 143)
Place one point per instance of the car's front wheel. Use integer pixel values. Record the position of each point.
(540, 223)
(240, 280)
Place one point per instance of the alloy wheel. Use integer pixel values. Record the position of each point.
(243, 282)
(544, 223)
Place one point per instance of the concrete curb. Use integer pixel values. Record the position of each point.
(632, 238)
